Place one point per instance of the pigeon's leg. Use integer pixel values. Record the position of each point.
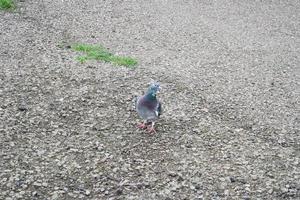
(143, 125)
(151, 129)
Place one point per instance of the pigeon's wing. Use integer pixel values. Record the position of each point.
(134, 102)
(159, 109)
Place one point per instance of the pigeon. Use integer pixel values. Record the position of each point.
(148, 107)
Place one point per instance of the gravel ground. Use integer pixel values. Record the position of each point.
(230, 77)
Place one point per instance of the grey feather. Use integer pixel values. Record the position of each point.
(149, 114)
(147, 106)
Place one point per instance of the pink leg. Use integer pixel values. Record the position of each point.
(151, 129)
(142, 125)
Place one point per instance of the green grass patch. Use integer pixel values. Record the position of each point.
(98, 52)
(7, 4)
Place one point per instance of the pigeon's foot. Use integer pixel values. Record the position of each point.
(142, 126)
(151, 130)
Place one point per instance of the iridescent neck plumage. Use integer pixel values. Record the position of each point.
(151, 95)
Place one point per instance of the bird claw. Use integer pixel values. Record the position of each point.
(142, 126)
(151, 130)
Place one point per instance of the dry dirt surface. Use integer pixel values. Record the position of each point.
(229, 72)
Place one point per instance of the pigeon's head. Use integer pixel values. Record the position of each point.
(154, 88)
